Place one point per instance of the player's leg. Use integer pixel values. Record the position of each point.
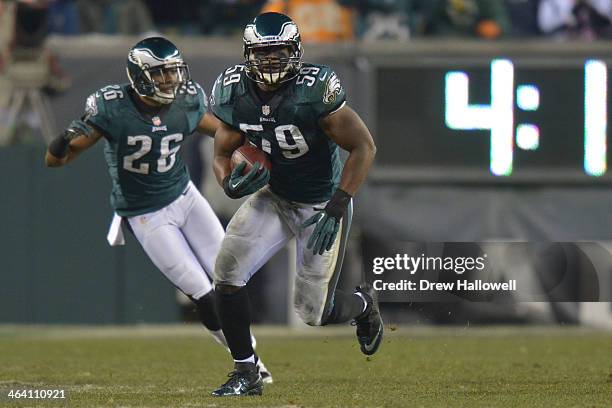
(317, 300)
(202, 230)
(255, 233)
(204, 234)
(317, 278)
(167, 248)
(164, 243)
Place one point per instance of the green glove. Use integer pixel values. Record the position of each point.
(327, 222)
(237, 185)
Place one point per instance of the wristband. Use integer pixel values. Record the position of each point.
(336, 206)
(59, 146)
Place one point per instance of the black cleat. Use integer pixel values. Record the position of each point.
(369, 324)
(244, 380)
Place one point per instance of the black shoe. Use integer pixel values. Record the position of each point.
(369, 323)
(244, 380)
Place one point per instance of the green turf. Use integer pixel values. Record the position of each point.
(177, 367)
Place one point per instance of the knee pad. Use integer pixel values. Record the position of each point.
(309, 302)
(309, 314)
(187, 278)
(225, 265)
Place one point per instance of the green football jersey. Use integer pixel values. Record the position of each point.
(306, 166)
(142, 145)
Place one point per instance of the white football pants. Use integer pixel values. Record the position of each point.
(183, 240)
(260, 228)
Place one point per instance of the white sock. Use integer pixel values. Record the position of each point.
(365, 302)
(247, 360)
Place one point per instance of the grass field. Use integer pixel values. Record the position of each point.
(178, 366)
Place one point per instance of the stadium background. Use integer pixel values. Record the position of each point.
(430, 183)
(104, 325)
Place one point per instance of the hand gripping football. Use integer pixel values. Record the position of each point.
(250, 154)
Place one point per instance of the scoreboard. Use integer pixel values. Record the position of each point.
(499, 120)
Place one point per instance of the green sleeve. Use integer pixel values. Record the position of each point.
(194, 103)
(328, 95)
(97, 114)
(220, 102)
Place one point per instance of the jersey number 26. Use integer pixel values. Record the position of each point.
(167, 155)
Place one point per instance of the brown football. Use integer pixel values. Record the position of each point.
(250, 154)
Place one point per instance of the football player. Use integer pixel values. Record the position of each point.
(297, 113)
(144, 123)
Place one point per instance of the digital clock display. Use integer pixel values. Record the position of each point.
(496, 119)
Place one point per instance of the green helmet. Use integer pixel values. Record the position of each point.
(267, 32)
(156, 69)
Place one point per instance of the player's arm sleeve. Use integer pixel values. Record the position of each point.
(219, 102)
(329, 95)
(96, 114)
(197, 107)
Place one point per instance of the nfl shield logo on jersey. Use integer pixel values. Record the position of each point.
(156, 120)
(265, 110)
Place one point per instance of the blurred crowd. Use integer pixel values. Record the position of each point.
(328, 20)
(25, 25)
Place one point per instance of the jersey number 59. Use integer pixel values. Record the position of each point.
(289, 138)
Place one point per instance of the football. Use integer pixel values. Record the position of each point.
(250, 154)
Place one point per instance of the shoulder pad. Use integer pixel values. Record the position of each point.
(191, 95)
(320, 86)
(192, 100)
(103, 104)
(227, 86)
